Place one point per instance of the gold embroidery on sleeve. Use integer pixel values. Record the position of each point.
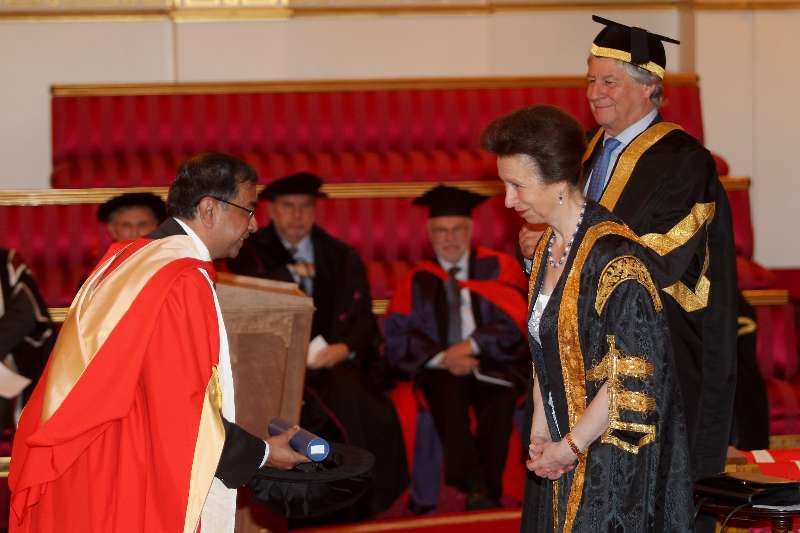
(700, 215)
(572, 367)
(693, 300)
(618, 270)
(615, 366)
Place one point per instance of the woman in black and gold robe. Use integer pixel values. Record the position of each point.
(608, 447)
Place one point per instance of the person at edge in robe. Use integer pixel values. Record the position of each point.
(663, 184)
(608, 443)
(132, 215)
(453, 317)
(26, 331)
(342, 401)
(132, 426)
(127, 217)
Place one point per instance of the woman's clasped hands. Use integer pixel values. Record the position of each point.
(550, 459)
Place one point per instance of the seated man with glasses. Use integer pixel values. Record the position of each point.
(342, 400)
(455, 326)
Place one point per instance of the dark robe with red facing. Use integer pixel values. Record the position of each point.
(416, 330)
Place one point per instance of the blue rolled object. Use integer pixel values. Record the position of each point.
(304, 442)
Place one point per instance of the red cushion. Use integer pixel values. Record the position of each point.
(722, 164)
(776, 346)
(784, 407)
(788, 278)
(137, 140)
(751, 275)
(158, 169)
(742, 222)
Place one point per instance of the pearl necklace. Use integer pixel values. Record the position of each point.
(568, 247)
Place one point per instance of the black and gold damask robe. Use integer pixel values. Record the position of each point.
(605, 323)
(665, 187)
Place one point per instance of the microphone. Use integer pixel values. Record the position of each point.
(304, 442)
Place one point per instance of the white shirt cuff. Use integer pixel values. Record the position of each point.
(435, 361)
(266, 454)
(475, 348)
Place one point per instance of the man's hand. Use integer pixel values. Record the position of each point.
(528, 239)
(458, 358)
(281, 454)
(331, 355)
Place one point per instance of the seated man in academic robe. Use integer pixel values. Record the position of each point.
(132, 215)
(127, 217)
(341, 400)
(455, 325)
(132, 426)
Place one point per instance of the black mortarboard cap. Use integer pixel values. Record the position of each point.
(632, 45)
(449, 201)
(300, 183)
(133, 199)
(316, 489)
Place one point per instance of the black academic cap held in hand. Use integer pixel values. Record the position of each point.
(316, 489)
(632, 45)
(446, 201)
(133, 199)
(300, 183)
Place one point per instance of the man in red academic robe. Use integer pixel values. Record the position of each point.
(132, 426)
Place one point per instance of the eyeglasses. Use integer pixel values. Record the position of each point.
(250, 212)
(458, 232)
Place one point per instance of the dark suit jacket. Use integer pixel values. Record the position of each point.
(342, 295)
(242, 452)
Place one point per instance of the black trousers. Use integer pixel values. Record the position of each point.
(340, 406)
(472, 462)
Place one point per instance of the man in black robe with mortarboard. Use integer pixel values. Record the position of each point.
(663, 184)
(341, 400)
(455, 325)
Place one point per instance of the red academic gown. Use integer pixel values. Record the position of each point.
(123, 432)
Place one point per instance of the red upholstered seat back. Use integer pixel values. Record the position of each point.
(350, 131)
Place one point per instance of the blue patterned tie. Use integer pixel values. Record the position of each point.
(598, 181)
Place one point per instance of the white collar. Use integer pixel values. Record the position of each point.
(634, 130)
(304, 246)
(202, 249)
(462, 264)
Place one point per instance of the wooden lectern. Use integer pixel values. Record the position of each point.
(268, 324)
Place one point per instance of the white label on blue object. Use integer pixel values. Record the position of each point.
(318, 449)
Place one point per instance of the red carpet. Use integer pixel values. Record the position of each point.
(497, 521)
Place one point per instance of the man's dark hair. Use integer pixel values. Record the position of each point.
(210, 174)
(552, 140)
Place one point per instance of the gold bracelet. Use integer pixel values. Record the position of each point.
(575, 450)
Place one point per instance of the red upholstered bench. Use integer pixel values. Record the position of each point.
(122, 136)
